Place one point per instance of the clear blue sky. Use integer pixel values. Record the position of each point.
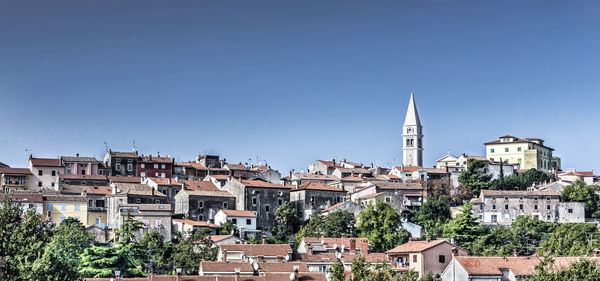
(294, 81)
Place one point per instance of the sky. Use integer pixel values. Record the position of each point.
(289, 82)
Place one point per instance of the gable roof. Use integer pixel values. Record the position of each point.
(308, 176)
(579, 174)
(253, 250)
(329, 242)
(520, 266)
(15, 171)
(398, 185)
(238, 213)
(33, 197)
(416, 246)
(156, 159)
(136, 189)
(225, 267)
(197, 223)
(263, 184)
(46, 162)
(125, 179)
(92, 160)
(200, 185)
(318, 186)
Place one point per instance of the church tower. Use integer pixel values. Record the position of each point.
(412, 136)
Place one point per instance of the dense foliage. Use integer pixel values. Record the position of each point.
(584, 270)
(588, 194)
(432, 216)
(382, 225)
(464, 228)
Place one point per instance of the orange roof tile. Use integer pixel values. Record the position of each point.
(200, 185)
(264, 184)
(197, 223)
(238, 213)
(253, 250)
(45, 162)
(416, 246)
(318, 186)
(329, 242)
(125, 179)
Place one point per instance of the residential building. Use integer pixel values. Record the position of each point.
(401, 196)
(529, 153)
(76, 165)
(347, 205)
(27, 200)
(167, 186)
(83, 180)
(210, 161)
(342, 172)
(154, 217)
(223, 268)
(12, 179)
(237, 170)
(122, 163)
(218, 180)
(2, 165)
(157, 166)
(187, 226)
(312, 197)
(501, 207)
(424, 257)
(131, 194)
(265, 173)
(416, 174)
(323, 167)
(225, 239)
(298, 179)
(412, 136)
(255, 252)
(572, 176)
(244, 221)
(44, 172)
(333, 245)
(260, 197)
(96, 201)
(203, 204)
(58, 207)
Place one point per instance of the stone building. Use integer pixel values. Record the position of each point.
(122, 163)
(298, 179)
(83, 180)
(202, 204)
(401, 196)
(312, 197)
(131, 193)
(167, 186)
(77, 165)
(501, 207)
(44, 172)
(323, 167)
(260, 197)
(265, 173)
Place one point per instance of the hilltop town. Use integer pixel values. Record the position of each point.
(138, 216)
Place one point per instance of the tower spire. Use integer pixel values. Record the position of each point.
(412, 136)
(412, 114)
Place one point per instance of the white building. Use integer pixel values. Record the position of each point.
(45, 173)
(244, 221)
(572, 176)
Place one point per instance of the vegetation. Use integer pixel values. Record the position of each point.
(363, 271)
(580, 192)
(474, 177)
(195, 248)
(583, 270)
(382, 225)
(432, 216)
(572, 239)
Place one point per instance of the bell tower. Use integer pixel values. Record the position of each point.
(412, 136)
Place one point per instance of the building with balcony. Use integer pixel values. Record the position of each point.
(424, 257)
(58, 207)
(13, 179)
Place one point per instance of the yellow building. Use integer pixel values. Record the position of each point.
(12, 179)
(59, 207)
(529, 153)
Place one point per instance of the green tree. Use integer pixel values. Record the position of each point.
(336, 272)
(100, 262)
(196, 247)
(521, 181)
(128, 229)
(332, 225)
(434, 213)
(474, 177)
(583, 270)
(571, 239)
(382, 225)
(158, 252)
(464, 228)
(228, 228)
(580, 192)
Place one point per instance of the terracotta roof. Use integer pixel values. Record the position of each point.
(308, 176)
(210, 193)
(332, 207)
(253, 250)
(416, 246)
(260, 169)
(328, 242)
(99, 190)
(370, 257)
(238, 213)
(197, 223)
(520, 266)
(164, 181)
(15, 171)
(125, 179)
(33, 197)
(318, 186)
(136, 188)
(329, 163)
(64, 198)
(79, 159)
(518, 140)
(263, 184)
(200, 185)
(282, 267)
(197, 166)
(235, 167)
(220, 177)
(486, 192)
(45, 162)
(398, 185)
(225, 267)
(216, 238)
(82, 177)
(150, 207)
(580, 174)
(352, 179)
(318, 258)
(156, 159)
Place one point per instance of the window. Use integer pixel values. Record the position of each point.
(280, 202)
(547, 207)
(506, 149)
(52, 184)
(83, 172)
(518, 148)
(156, 175)
(535, 207)
(77, 208)
(143, 165)
(155, 166)
(53, 173)
(494, 218)
(97, 220)
(129, 160)
(494, 207)
(146, 222)
(90, 203)
(248, 221)
(505, 206)
(520, 206)
(225, 205)
(234, 221)
(442, 258)
(414, 258)
(162, 166)
(267, 208)
(138, 200)
(158, 223)
(40, 173)
(157, 201)
(201, 217)
(49, 207)
(83, 183)
(200, 204)
(63, 207)
(117, 167)
(96, 183)
(129, 167)
(143, 174)
(39, 184)
(253, 200)
(162, 175)
(492, 150)
(570, 211)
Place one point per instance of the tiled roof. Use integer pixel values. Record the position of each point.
(260, 168)
(33, 197)
(318, 258)
(332, 207)
(329, 163)
(197, 166)
(253, 250)
(398, 185)
(210, 193)
(15, 171)
(416, 246)
(369, 196)
(238, 213)
(156, 159)
(263, 184)
(328, 242)
(99, 190)
(64, 198)
(123, 154)
(282, 266)
(318, 186)
(220, 177)
(197, 223)
(79, 159)
(486, 192)
(45, 162)
(353, 170)
(517, 140)
(216, 238)
(82, 177)
(370, 257)
(125, 179)
(164, 181)
(411, 169)
(579, 174)
(520, 266)
(150, 207)
(235, 167)
(352, 179)
(225, 267)
(137, 189)
(200, 185)
(307, 176)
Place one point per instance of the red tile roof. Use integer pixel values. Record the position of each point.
(264, 184)
(332, 206)
(225, 267)
(370, 257)
(33, 197)
(45, 162)
(253, 250)
(15, 171)
(238, 213)
(125, 179)
(520, 266)
(198, 166)
(282, 267)
(197, 223)
(164, 181)
(318, 186)
(580, 174)
(308, 176)
(328, 242)
(156, 159)
(216, 238)
(352, 179)
(330, 163)
(199, 185)
(82, 177)
(416, 246)
(411, 169)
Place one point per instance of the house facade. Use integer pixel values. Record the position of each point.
(155, 166)
(312, 197)
(44, 172)
(424, 257)
(529, 153)
(203, 205)
(14, 179)
(122, 163)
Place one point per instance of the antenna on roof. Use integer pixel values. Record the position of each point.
(133, 147)
(106, 146)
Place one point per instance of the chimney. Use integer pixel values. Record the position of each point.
(352, 246)
(294, 275)
(452, 240)
(333, 160)
(264, 239)
(309, 249)
(77, 155)
(225, 255)
(169, 181)
(237, 274)
(297, 184)
(455, 251)
(515, 253)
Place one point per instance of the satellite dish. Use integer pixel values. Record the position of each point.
(293, 276)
